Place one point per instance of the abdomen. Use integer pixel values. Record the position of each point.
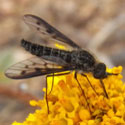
(46, 52)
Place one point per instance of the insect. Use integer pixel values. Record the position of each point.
(52, 61)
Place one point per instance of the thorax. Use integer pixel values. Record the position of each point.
(83, 60)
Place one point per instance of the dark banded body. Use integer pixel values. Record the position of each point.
(45, 52)
(53, 60)
(79, 59)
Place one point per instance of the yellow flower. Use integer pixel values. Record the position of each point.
(67, 105)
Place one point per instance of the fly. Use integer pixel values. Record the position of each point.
(50, 61)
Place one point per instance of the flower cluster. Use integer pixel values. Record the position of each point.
(67, 105)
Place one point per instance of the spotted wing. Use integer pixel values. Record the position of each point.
(33, 67)
(49, 33)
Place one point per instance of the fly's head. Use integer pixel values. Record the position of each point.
(99, 71)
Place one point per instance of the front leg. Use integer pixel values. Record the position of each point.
(89, 82)
(83, 93)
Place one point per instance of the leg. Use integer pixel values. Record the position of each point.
(82, 91)
(89, 82)
(59, 74)
(46, 96)
(103, 83)
(52, 85)
(104, 88)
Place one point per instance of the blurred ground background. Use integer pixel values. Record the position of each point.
(98, 25)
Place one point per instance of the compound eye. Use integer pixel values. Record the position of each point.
(100, 71)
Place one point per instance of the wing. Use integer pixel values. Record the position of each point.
(33, 67)
(49, 33)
